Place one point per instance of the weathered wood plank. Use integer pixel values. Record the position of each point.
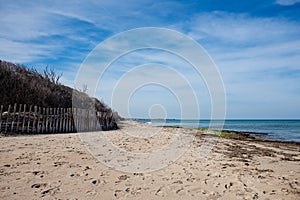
(43, 121)
(69, 120)
(1, 109)
(13, 118)
(28, 119)
(56, 119)
(18, 118)
(38, 127)
(24, 119)
(34, 128)
(7, 119)
(47, 120)
(61, 120)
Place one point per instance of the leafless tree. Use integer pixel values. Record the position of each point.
(51, 75)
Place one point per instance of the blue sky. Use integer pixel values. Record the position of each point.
(255, 45)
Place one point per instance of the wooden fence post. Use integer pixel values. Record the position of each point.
(94, 121)
(1, 109)
(62, 116)
(43, 120)
(50, 120)
(29, 115)
(56, 119)
(78, 120)
(47, 120)
(13, 118)
(38, 128)
(18, 118)
(70, 119)
(7, 119)
(81, 119)
(87, 119)
(59, 120)
(78, 113)
(34, 128)
(23, 122)
(63, 120)
(67, 119)
(98, 121)
(74, 119)
(53, 120)
(59, 111)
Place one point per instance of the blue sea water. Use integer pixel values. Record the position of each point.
(282, 130)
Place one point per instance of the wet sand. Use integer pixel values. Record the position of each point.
(59, 166)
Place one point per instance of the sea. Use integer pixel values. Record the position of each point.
(281, 130)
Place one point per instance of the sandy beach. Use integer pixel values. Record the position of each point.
(59, 166)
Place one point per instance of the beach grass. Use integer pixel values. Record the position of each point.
(221, 133)
(227, 134)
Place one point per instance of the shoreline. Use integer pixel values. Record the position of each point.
(273, 129)
(60, 166)
(244, 135)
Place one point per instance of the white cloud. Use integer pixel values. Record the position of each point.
(241, 29)
(21, 52)
(257, 58)
(287, 2)
(25, 23)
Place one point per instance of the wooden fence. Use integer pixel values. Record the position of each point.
(34, 119)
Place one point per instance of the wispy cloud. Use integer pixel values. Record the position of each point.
(287, 2)
(257, 57)
(241, 29)
(255, 45)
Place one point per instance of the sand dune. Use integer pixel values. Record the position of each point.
(59, 166)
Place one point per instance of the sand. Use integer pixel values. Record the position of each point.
(60, 166)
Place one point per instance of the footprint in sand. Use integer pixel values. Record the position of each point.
(123, 177)
(38, 185)
(228, 186)
(118, 193)
(57, 164)
(94, 182)
(38, 173)
(159, 192)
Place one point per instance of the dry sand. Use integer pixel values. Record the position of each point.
(59, 166)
